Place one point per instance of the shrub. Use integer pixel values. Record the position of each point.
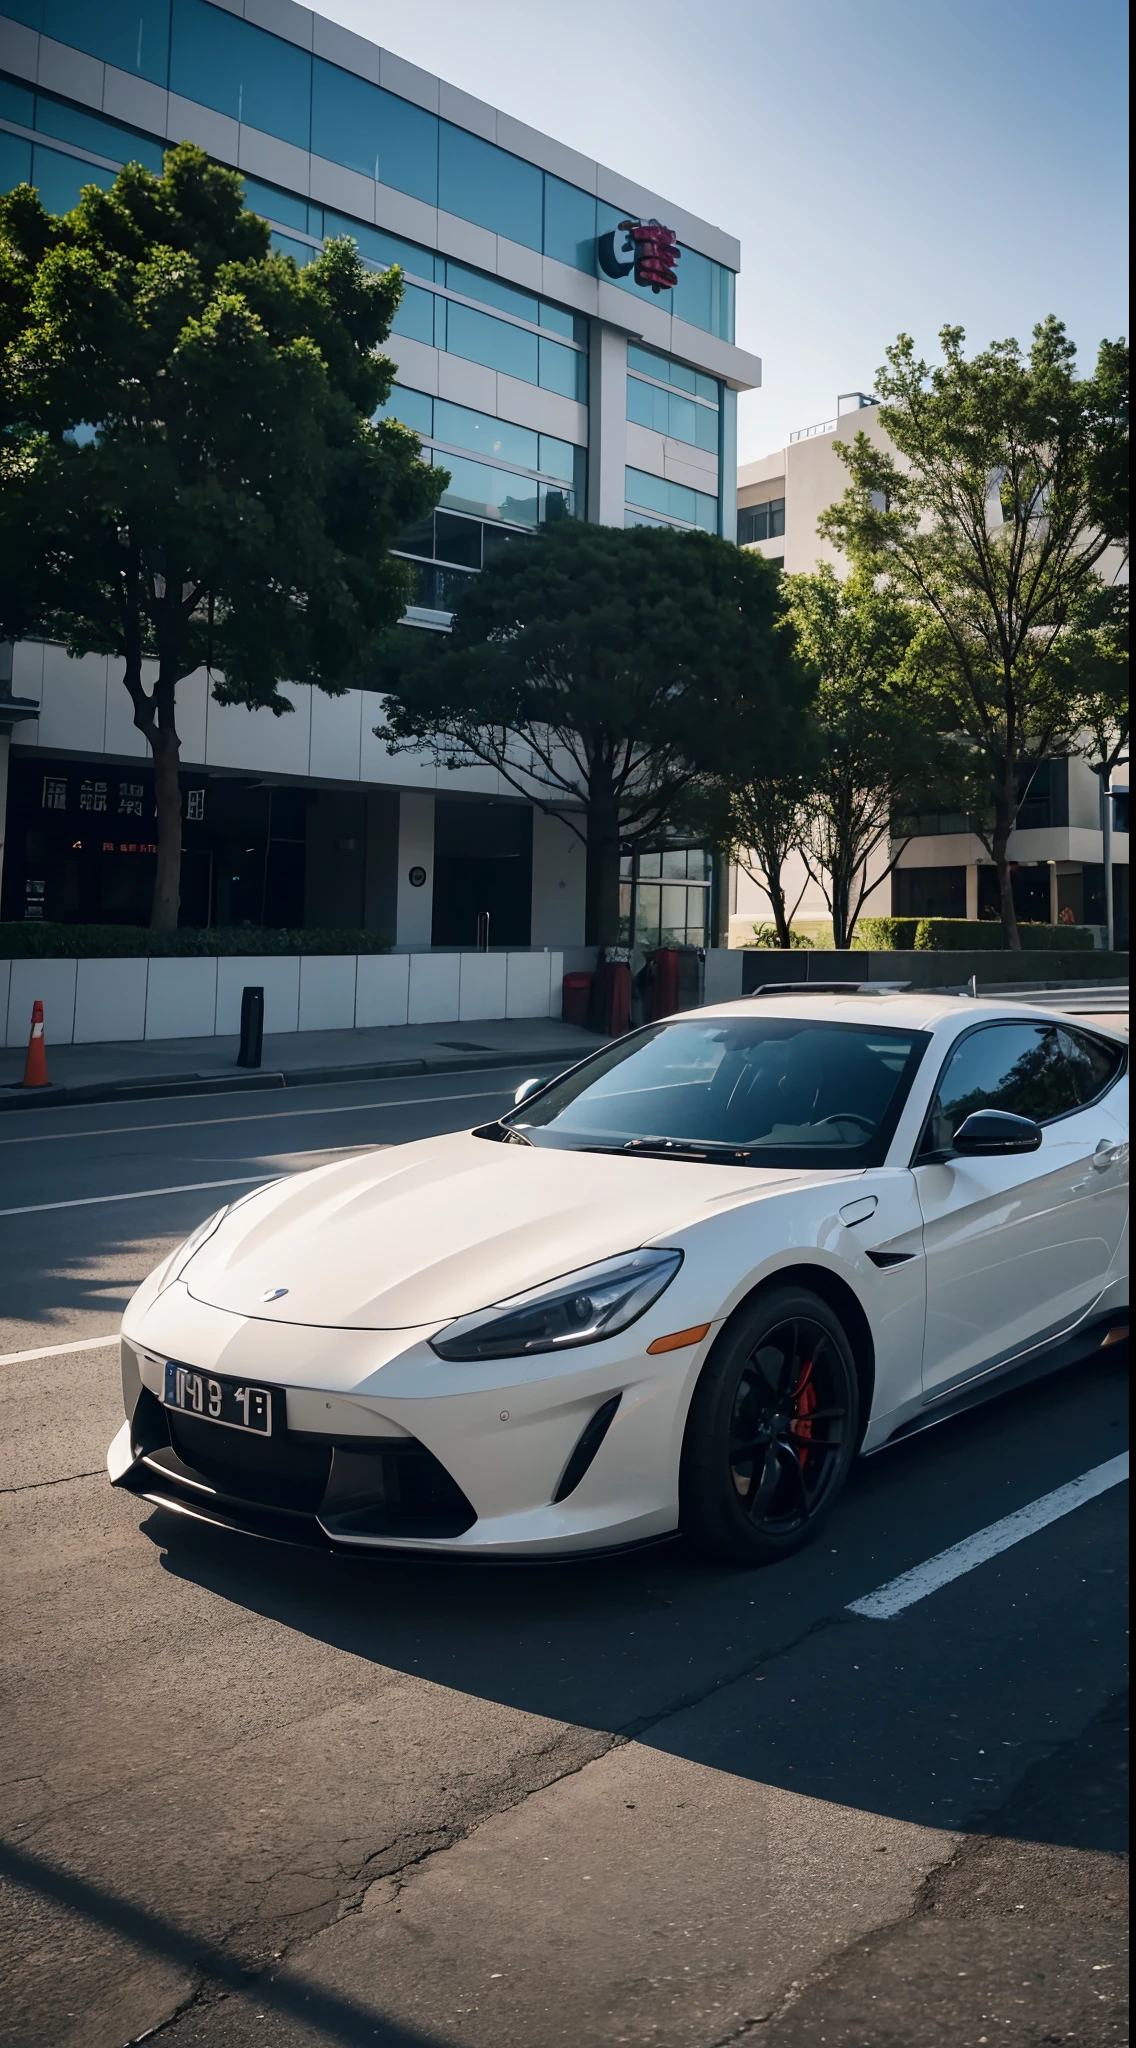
(32, 941)
(765, 936)
(965, 935)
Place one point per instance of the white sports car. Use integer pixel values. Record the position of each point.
(678, 1287)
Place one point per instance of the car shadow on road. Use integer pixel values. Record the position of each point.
(929, 1719)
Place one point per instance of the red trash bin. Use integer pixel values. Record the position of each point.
(576, 997)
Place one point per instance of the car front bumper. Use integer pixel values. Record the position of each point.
(387, 1447)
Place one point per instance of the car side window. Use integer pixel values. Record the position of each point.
(1017, 1067)
(1093, 1064)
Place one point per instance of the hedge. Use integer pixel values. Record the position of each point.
(965, 935)
(34, 941)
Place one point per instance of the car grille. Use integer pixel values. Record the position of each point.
(357, 1488)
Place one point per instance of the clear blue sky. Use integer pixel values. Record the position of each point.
(890, 164)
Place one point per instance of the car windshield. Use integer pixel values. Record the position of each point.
(758, 1091)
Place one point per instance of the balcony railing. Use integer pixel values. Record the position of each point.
(821, 427)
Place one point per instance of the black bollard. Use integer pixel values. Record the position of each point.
(252, 1027)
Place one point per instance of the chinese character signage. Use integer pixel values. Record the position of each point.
(645, 248)
(130, 799)
(195, 805)
(54, 793)
(92, 796)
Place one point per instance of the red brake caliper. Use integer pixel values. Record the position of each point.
(805, 1400)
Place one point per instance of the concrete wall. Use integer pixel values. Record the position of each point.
(95, 1001)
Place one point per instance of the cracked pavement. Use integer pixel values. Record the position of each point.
(257, 1795)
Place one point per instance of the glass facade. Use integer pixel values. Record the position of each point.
(672, 398)
(486, 504)
(211, 56)
(671, 504)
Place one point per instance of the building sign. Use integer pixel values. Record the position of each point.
(643, 247)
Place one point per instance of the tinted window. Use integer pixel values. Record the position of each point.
(648, 406)
(1093, 1063)
(376, 246)
(460, 427)
(482, 183)
(1017, 1067)
(563, 370)
(569, 224)
(492, 291)
(782, 1091)
(413, 408)
(359, 125)
(132, 34)
(489, 493)
(91, 131)
(15, 162)
(60, 179)
(481, 339)
(415, 315)
(238, 70)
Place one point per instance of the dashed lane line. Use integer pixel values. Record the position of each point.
(892, 1599)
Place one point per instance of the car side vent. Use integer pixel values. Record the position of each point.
(886, 1259)
(591, 1437)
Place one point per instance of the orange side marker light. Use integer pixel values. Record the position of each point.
(679, 1339)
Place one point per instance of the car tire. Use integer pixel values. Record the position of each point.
(773, 1429)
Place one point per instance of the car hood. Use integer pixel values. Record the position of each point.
(420, 1232)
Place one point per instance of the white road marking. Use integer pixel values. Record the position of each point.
(193, 1187)
(888, 1601)
(258, 1117)
(57, 1350)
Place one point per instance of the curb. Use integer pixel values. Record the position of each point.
(13, 1096)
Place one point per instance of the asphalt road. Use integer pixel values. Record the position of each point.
(251, 1795)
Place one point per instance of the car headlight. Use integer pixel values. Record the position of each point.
(579, 1308)
(180, 1257)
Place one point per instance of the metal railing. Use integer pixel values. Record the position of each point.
(821, 427)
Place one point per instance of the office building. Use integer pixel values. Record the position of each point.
(944, 870)
(533, 356)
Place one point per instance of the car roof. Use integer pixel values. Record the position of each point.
(906, 1010)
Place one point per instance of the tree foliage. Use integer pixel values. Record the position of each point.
(873, 739)
(189, 473)
(605, 673)
(992, 518)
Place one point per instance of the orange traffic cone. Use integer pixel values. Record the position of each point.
(35, 1069)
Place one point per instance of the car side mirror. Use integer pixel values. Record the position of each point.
(526, 1089)
(991, 1133)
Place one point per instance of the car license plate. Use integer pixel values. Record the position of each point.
(232, 1403)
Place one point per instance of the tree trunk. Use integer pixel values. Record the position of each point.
(154, 715)
(774, 889)
(1004, 815)
(841, 894)
(166, 749)
(601, 881)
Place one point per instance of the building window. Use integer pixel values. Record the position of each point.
(664, 898)
(928, 892)
(212, 56)
(761, 522)
(672, 399)
(517, 465)
(653, 501)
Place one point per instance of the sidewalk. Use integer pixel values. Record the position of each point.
(199, 1066)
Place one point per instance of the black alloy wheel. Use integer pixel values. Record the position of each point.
(772, 1431)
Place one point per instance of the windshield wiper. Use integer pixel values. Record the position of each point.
(688, 1148)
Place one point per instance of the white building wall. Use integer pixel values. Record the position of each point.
(559, 861)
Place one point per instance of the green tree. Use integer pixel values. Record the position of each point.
(991, 519)
(189, 473)
(874, 735)
(604, 673)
